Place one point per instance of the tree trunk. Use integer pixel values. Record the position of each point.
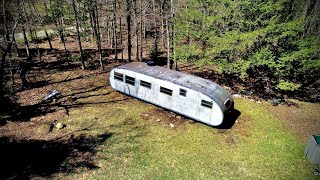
(168, 44)
(34, 28)
(60, 29)
(120, 26)
(41, 22)
(45, 7)
(112, 34)
(91, 23)
(188, 34)
(173, 36)
(5, 22)
(16, 45)
(144, 25)
(162, 21)
(141, 40)
(6, 51)
(136, 30)
(97, 32)
(154, 22)
(6, 40)
(108, 31)
(24, 11)
(78, 34)
(59, 25)
(115, 30)
(26, 42)
(129, 28)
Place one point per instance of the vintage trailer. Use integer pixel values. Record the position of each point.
(189, 95)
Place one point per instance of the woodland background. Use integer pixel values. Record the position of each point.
(271, 48)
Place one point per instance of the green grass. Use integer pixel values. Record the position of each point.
(40, 35)
(257, 146)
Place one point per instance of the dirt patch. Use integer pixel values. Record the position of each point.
(160, 115)
(222, 131)
(302, 119)
(78, 88)
(231, 140)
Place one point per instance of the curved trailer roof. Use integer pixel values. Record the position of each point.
(204, 86)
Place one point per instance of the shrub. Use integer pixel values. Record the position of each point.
(74, 57)
(288, 86)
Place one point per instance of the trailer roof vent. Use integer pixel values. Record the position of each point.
(204, 82)
(174, 75)
(198, 86)
(151, 63)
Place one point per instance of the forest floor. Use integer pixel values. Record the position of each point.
(110, 135)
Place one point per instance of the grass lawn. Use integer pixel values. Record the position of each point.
(142, 145)
(257, 147)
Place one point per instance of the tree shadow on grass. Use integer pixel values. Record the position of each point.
(34, 51)
(105, 52)
(25, 113)
(24, 159)
(62, 64)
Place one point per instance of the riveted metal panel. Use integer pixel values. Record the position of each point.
(190, 105)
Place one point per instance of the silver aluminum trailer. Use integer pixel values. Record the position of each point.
(191, 96)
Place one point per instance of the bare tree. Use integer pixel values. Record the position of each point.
(7, 48)
(41, 22)
(7, 41)
(141, 37)
(25, 15)
(34, 28)
(168, 44)
(16, 45)
(5, 22)
(78, 34)
(136, 29)
(115, 40)
(129, 28)
(120, 29)
(95, 16)
(91, 22)
(155, 23)
(108, 30)
(173, 34)
(162, 22)
(26, 42)
(57, 13)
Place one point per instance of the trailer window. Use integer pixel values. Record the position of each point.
(166, 91)
(118, 76)
(130, 80)
(183, 92)
(206, 104)
(227, 103)
(145, 84)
